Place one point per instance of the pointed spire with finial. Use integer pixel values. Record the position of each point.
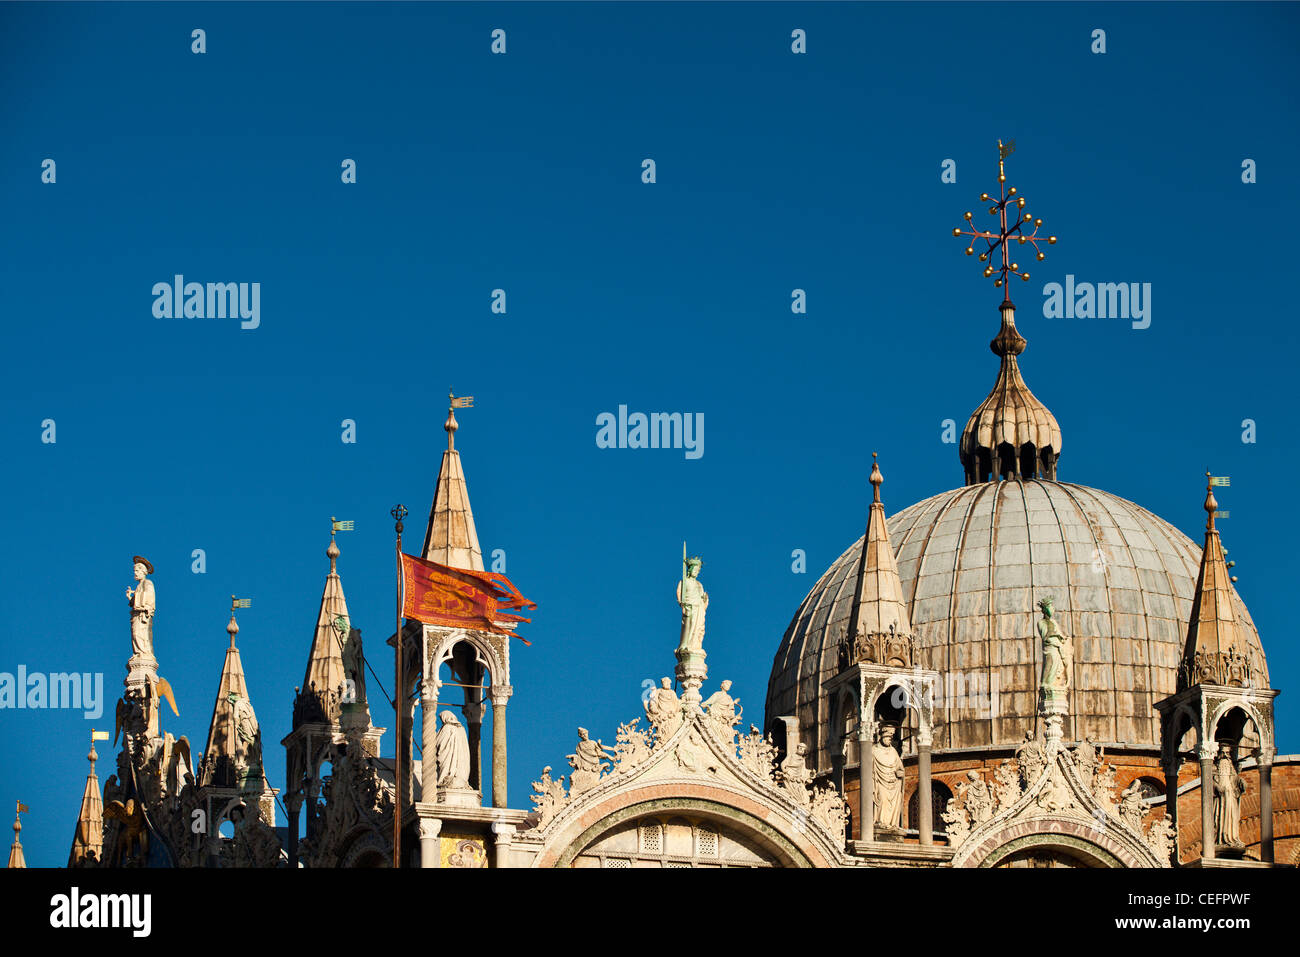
(88, 839)
(228, 744)
(325, 684)
(879, 627)
(1217, 650)
(450, 537)
(16, 858)
(1011, 434)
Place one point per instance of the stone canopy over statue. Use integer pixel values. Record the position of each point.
(1058, 658)
(142, 602)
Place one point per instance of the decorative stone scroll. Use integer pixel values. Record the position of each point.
(1050, 782)
(692, 741)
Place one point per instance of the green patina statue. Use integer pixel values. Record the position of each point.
(1058, 656)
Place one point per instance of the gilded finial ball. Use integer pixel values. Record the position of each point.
(988, 271)
(1002, 177)
(1021, 240)
(983, 256)
(1011, 191)
(984, 197)
(1042, 256)
(1051, 240)
(1025, 276)
(997, 283)
(993, 210)
(956, 230)
(1021, 202)
(968, 215)
(1015, 267)
(970, 250)
(1038, 222)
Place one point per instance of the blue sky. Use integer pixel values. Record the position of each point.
(523, 172)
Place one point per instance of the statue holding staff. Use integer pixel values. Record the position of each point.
(695, 602)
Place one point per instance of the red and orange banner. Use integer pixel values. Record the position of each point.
(460, 598)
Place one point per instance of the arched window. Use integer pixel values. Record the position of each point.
(940, 795)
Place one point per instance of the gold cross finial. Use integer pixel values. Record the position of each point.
(1007, 232)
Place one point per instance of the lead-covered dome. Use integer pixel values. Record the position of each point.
(973, 562)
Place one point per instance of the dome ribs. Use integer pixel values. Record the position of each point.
(955, 552)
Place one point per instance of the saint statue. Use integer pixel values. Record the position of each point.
(887, 772)
(695, 602)
(141, 600)
(1228, 788)
(979, 803)
(589, 760)
(452, 748)
(663, 709)
(1058, 656)
(248, 744)
(722, 710)
(795, 774)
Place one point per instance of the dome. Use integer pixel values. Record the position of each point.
(973, 562)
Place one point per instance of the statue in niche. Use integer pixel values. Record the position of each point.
(451, 745)
(1228, 789)
(723, 711)
(695, 602)
(1058, 656)
(589, 760)
(887, 773)
(143, 603)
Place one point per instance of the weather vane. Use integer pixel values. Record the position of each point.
(1017, 231)
(455, 402)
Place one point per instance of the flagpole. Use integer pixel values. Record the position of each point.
(399, 699)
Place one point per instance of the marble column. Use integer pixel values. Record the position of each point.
(1208, 841)
(429, 751)
(866, 784)
(1171, 803)
(925, 803)
(1266, 806)
(293, 804)
(473, 712)
(429, 849)
(500, 695)
(501, 835)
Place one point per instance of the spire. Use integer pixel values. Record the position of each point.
(88, 840)
(880, 631)
(1216, 651)
(234, 746)
(16, 858)
(451, 538)
(325, 686)
(1012, 434)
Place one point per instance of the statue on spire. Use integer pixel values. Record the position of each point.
(142, 602)
(694, 601)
